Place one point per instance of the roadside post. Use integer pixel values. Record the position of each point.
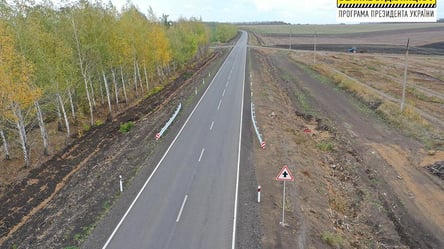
(284, 176)
(121, 183)
(259, 194)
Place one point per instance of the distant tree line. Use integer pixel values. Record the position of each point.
(264, 23)
(222, 32)
(64, 62)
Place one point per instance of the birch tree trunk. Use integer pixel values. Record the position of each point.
(116, 89)
(140, 78)
(135, 78)
(65, 117)
(93, 95)
(59, 116)
(146, 77)
(107, 94)
(43, 132)
(5, 145)
(84, 73)
(73, 111)
(102, 100)
(123, 85)
(20, 122)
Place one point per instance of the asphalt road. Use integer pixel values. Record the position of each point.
(190, 200)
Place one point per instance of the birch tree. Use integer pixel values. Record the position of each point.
(18, 92)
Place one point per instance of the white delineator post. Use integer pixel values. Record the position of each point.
(259, 194)
(121, 183)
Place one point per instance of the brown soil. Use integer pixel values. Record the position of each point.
(359, 182)
(422, 40)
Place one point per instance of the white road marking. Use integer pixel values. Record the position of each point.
(211, 127)
(223, 93)
(201, 154)
(233, 237)
(220, 102)
(181, 208)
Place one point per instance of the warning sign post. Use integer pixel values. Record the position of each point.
(284, 176)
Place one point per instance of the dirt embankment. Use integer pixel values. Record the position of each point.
(358, 181)
(59, 202)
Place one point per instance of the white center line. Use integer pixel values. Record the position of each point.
(201, 154)
(211, 127)
(181, 208)
(223, 93)
(220, 102)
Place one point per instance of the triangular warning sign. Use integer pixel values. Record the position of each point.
(284, 175)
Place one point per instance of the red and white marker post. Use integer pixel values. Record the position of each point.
(263, 145)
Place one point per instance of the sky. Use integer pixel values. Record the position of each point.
(290, 11)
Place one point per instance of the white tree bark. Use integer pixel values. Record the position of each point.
(123, 85)
(107, 93)
(84, 73)
(43, 132)
(146, 77)
(59, 116)
(116, 89)
(20, 122)
(102, 100)
(139, 77)
(135, 78)
(92, 91)
(65, 117)
(5, 145)
(73, 111)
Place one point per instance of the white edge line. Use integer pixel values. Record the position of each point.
(233, 242)
(181, 208)
(163, 157)
(201, 154)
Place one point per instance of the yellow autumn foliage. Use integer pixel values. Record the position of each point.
(16, 89)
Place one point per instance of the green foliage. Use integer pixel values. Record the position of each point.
(188, 39)
(332, 239)
(155, 90)
(126, 127)
(325, 146)
(86, 231)
(99, 123)
(223, 32)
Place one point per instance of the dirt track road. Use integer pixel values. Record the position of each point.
(369, 187)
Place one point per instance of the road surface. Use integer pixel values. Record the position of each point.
(190, 200)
